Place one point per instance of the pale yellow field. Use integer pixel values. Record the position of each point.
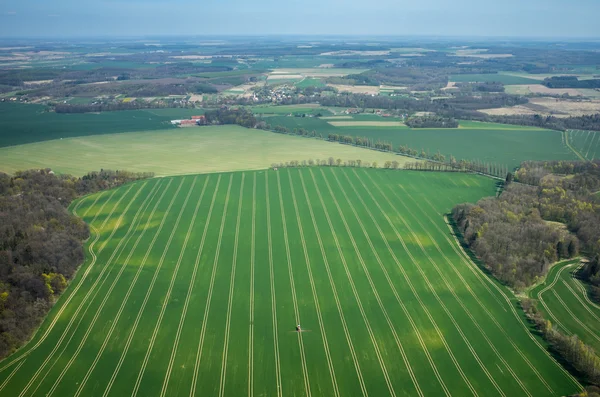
(550, 106)
(196, 98)
(282, 76)
(353, 52)
(479, 53)
(366, 123)
(451, 85)
(392, 87)
(318, 72)
(518, 110)
(356, 89)
(524, 89)
(180, 151)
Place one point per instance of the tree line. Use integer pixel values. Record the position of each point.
(527, 228)
(570, 82)
(41, 244)
(330, 162)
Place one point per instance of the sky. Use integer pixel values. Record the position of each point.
(465, 18)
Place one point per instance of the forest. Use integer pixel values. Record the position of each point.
(41, 244)
(570, 82)
(431, 122)
(549, 215)
(225, 115)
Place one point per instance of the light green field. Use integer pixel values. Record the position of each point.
(320, 72)
(179, 151)
(285, 109)
(586, 143)
(488, 142)
(506, 79)
(564, 301)
(194, 286)
(310, 82)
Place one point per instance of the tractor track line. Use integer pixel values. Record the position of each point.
(90, 291)
(351, 280)
(583, 291)
(191, 285)
(251, 308)
(531, 366)
(12, 373)
(272, 285)
(126, 299)
(231, 288)
(415, 238)
(293, 289)
(393, 288)
(468, 288)
(140, 311)
(415, 293)
(336, 391)
(585, 327)
(167, 296)
(370, 280)
(57, 317)
(175, 272)
(335, 294)
(210, 291)
(477, 271)
(541, 299)
(135, 224)
(413, 260)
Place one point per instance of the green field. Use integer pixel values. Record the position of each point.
(586, 143)
(309, 82)
(487, 142)
(21, 123)
(194, 286)
(286, 109)
(505, 79)
(563, 300)
(180, 151)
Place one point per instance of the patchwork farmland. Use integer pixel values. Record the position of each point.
(194, 285)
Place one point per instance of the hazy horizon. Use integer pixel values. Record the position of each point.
(431, 18)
